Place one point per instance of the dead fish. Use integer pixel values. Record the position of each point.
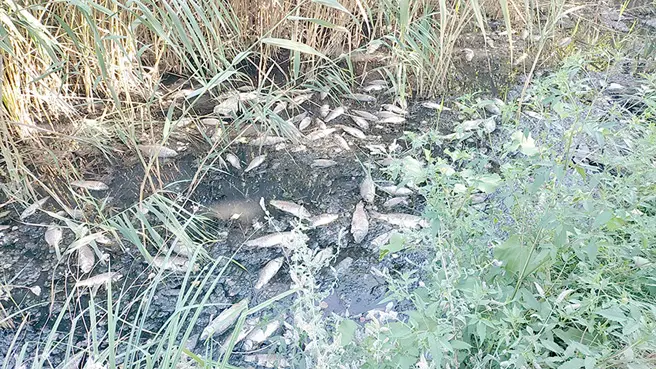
(33, 208)
(359, 223)
(521, 59)
(392, 119)
(342, 142)
(225, 320)
(183, 248)
(368, 189)
(534, 115)
(321, 124)
(361, 97)
(492, 108)
(228, 106)
(300, 99)
(361, 122)
(99, 280)
(259, 335)
(159, 151)
(323, 163)
(323, 219)
(366, 115)
(381, 240)
(280, 107)
(434, 106)
(268, 272)
(394, 109)
(373, 87)
(249, 326)
(469, 54)
(256, 162)
(395, 201)
(320, 134)
(489, 125)
(353, 132)
(172, 263)
(267, 141)
(387, 114)
(564, 42)
(470, 125)
(297, 118)
(396, 190)
(401, 220)
(211, 121)
(296, 210)
(324, 110)
(85, 258)
(233, 160)
(338, 111)
(276, 239)
(305, 122)
(90, 185)
(53, 237)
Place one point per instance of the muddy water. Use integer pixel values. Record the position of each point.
(287, 174)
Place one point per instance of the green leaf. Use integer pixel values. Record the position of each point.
(292, 45)
(460, 345)
(488, 183)
(525, 143)
(513, 253)
(614, 313)
(574, 363)
(603, 218)
(396, 243)
(346, 330)
(552, 346)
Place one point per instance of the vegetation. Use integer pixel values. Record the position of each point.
(540, 250)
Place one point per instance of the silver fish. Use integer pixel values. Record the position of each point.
(368, 189)
(99, 280)
(521, 59)
(172, 263)
(361, 122)
(228, 106)
(305, 122)
(297, 118)
(280, 107)
(267, 141)
(323, 219)
(90, 185)
(401, 220)
(342, 142)
(225, 320)
(275, 239)
(300, 99)
(233, 160)
(394, 201)
(394, 109)
(249, 326)
(391, 118)
(323, 163)
(373, 87)
(256, 162)
(396, 190)
(338, 111)
(469, 54)
(434, 106)
(211, 121)
(321, 124)
(259, 335)
(33, 208)
(324, 110)
(296, 210)
(320, 134)
(359, 223)
(381, 240)
(85, 258)
(159, 151)
(492, 108)
(361, 97)
(268, 272)
(490, 125)
(366, 115)
(353, 132)
(53, 237)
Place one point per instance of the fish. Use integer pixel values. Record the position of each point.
(394, 201)
(368, 189)
(337, 112)
(53, 237)
(470, 125)
(434, 106)
(211, 121)
(353, 132)
(275, 239)
(183, 248)
(564, 42)
(159, 151)
(469, 54)
(361, 97)
(323, 163)
(85, 258)
(296, 210)
(99, 280)
(401, 220)
(360, 122)
(392, 119)
(90, 185)
(305, 122)
(366, 115)
(228, 106)
(30, 210)
(300, 99)
(233, 160)
(172, 263)
(320, 134)
(342, 142)
(492, 108)
(256, 162)
(224, 320)
(489, 125)
(323, 219)
(323, 257)
(280, 107)
(521, 59)
(371, 88)
(259, 335)
(269, 271)
(534, 115)
(394, 109)
(321, 124)
(267, 141)
(324, 110)
(297, 118)
(359, 223)
(381, 240)
(248, 327)
(396, 190)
